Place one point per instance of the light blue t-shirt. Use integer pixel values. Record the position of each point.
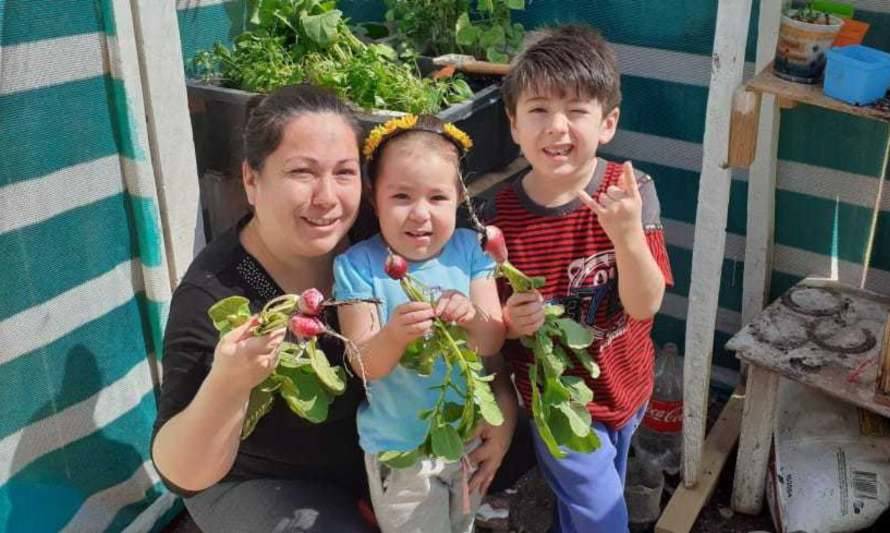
(388, 420)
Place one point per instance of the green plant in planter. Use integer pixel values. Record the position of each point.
(438, 27)
(291, 41)
(811, 12)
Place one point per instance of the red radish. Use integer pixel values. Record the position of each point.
(306, 326)
(310, 302)
(396, 266)
(493, 243)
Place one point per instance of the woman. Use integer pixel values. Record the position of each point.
(302, 176)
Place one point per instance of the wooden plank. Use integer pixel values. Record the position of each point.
(169, 131)
(767, 82)
(728, 61)
(762, 177)
(883, 381)
(682, 510)
(755, 439)
(743, 128)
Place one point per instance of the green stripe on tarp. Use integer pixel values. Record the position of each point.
(65, 251)
(74, 367)
(201, 27)
(47, 493)
(880, 251)
(47, 129)
(148, 229)
(669, 329)
(34, 20)
(878, 35)
(663, 108)
(813, 224)
(839, 141)
(731, 276)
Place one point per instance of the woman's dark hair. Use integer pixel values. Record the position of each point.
(267, 115)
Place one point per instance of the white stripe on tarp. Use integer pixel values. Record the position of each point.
(36, 200)
(193, 4)
(787, 259)
(148, 518)
(667, 65)
(877, 6)
(48, 62)
(675, 306)
(99, 509)
(663, 151)
(23, 447)
(42, 324)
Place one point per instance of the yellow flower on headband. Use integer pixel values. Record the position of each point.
(408, 122)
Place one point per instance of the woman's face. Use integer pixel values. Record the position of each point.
(307, 194)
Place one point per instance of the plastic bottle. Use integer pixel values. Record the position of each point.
(659, 439)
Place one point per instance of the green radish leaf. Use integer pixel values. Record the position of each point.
(452, 412)
(488, 406)
(516, 4)
(446, 442)
(539, 413)
(577, 415)
(399, 459)
(579, 390)
(229, 313)
(538, 282)
(326, 374)
(555, 392)
(259, 404)
(305, 396)
(289, 354)
(585, 444)
(574, 334)
(587, 362)
(554, 310)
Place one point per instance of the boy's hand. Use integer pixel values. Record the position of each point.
(455, 307)
(410, 321)
(619, 209)
(524, 313)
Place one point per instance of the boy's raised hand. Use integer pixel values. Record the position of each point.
(619, 209)
(410, 321)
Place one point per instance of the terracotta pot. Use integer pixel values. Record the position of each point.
(800, 50)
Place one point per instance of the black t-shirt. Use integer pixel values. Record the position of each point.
(283, 445)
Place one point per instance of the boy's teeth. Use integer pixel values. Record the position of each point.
(563, 150)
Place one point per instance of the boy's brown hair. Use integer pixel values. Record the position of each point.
(562, 59)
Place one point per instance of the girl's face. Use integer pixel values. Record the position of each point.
(416, 196)
(307, 194)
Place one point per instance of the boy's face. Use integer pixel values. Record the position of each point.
(416, 197)
(560, 134)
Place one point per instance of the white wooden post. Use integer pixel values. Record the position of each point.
(728, 61)
(755, 439)
(762, 176)
(169, 131)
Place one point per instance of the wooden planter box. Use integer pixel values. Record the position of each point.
(218, 113)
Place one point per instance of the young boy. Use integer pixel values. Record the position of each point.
(592, 228)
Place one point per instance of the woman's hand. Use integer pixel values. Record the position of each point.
(455, 307)
(244, 361)
(408, 322)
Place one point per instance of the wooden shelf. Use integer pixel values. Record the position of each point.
(788, 92)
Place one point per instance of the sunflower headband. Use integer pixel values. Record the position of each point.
(393, 127)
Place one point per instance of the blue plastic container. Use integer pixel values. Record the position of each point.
(857, 74)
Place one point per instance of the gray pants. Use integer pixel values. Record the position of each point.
(276, 505)
(428, 497)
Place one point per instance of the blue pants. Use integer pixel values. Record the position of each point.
(589, 487)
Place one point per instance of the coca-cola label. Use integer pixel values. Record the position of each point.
(664, 417)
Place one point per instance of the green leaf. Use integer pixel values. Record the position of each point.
(539, 414)
(578, 417)
(555, 392)
(587, 362)
(488, 406)
(574, 334)
(493, 37)
(538, 281)
(554, 310)
(579, 390)
(585, 444)
(229, 313)
(290, 353)
(326, 374)
(516, 4)
(452, 412)
(399, 459)
(259, 404)
(485, 6)
(322, 28)
(465, 34)
(305, 396)
(446, 442)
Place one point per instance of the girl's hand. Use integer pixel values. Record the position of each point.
(619, 209)
(455, 307)
(243, 360)
(410, 321)
(524, 313)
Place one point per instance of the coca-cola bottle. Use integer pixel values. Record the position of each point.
(659, 439)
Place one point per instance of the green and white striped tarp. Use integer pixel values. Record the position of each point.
(85, 289)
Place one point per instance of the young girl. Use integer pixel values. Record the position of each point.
(413, 170)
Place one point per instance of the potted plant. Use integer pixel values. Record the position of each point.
(805, 33)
